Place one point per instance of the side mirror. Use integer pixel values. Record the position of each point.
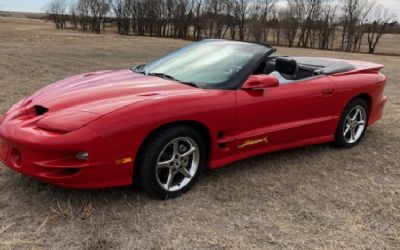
(257, 82)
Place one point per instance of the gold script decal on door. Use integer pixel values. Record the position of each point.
(253, 142)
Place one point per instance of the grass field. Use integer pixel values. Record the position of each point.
(306, 198)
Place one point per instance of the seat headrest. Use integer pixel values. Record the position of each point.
(286, 65)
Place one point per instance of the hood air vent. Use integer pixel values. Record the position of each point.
(40, 110)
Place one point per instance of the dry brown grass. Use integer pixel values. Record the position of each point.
(313, 197)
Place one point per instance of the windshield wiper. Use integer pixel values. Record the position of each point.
(162, 75)
(169, 77)
(139, 69)
(190, 84)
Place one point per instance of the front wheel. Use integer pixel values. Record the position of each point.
(353, 124)
(171, 162)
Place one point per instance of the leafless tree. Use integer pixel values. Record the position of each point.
(290, 20)
(73, 10)
(275, 25)
(326, 25)
(302, 23)
(84, 14)
(121, 10)
(98, 11)
(308, 12)
(258, 25)
(214, 16)
(198, 8)
(378, 23)
(232, 20)
(241, 11)
(57, 12)
(354, 13)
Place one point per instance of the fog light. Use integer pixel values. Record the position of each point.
(83, 156)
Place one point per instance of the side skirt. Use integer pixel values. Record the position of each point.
(237, 157)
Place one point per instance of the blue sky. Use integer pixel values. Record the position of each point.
(37, 5)
(22, 5)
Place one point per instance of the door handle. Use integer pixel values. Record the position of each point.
(328, 91)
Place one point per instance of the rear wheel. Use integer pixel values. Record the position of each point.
(171, 162)
(353, 124)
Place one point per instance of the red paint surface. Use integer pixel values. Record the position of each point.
(109, 114)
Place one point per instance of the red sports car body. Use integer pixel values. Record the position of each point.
(87, 131)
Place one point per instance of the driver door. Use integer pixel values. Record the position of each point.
(289, 115)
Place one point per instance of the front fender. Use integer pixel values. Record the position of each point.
(126, 129)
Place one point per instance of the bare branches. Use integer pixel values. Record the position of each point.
(378, 24)
(56, 11)
(354, 13)
(302, 23)
(260, 15)
(325, 27)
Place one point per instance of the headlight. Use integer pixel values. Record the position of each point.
(65, 122)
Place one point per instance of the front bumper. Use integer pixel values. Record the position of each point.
(52, 158)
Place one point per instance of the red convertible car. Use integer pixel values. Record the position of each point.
(206, 105)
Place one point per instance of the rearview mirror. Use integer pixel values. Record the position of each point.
(257, 82)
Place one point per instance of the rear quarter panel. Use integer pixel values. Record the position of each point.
(349, 86)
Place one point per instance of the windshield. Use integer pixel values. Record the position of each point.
(206, 63)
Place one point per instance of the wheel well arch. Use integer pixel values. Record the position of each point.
(198, 126)
(366, 97)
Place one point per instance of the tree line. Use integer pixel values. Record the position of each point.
(322, 24)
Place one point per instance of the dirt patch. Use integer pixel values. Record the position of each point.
(313, 197)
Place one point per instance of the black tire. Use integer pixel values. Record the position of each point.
(146, 175)
(340, 139)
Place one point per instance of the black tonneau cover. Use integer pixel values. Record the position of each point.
(325, 66)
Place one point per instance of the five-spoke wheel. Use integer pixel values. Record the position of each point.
(177, 163)
(171, 161)
(353, 124)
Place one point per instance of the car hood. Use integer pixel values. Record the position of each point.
(103, 92)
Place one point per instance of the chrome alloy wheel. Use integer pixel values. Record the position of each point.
(355, 124)
(177, 164)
